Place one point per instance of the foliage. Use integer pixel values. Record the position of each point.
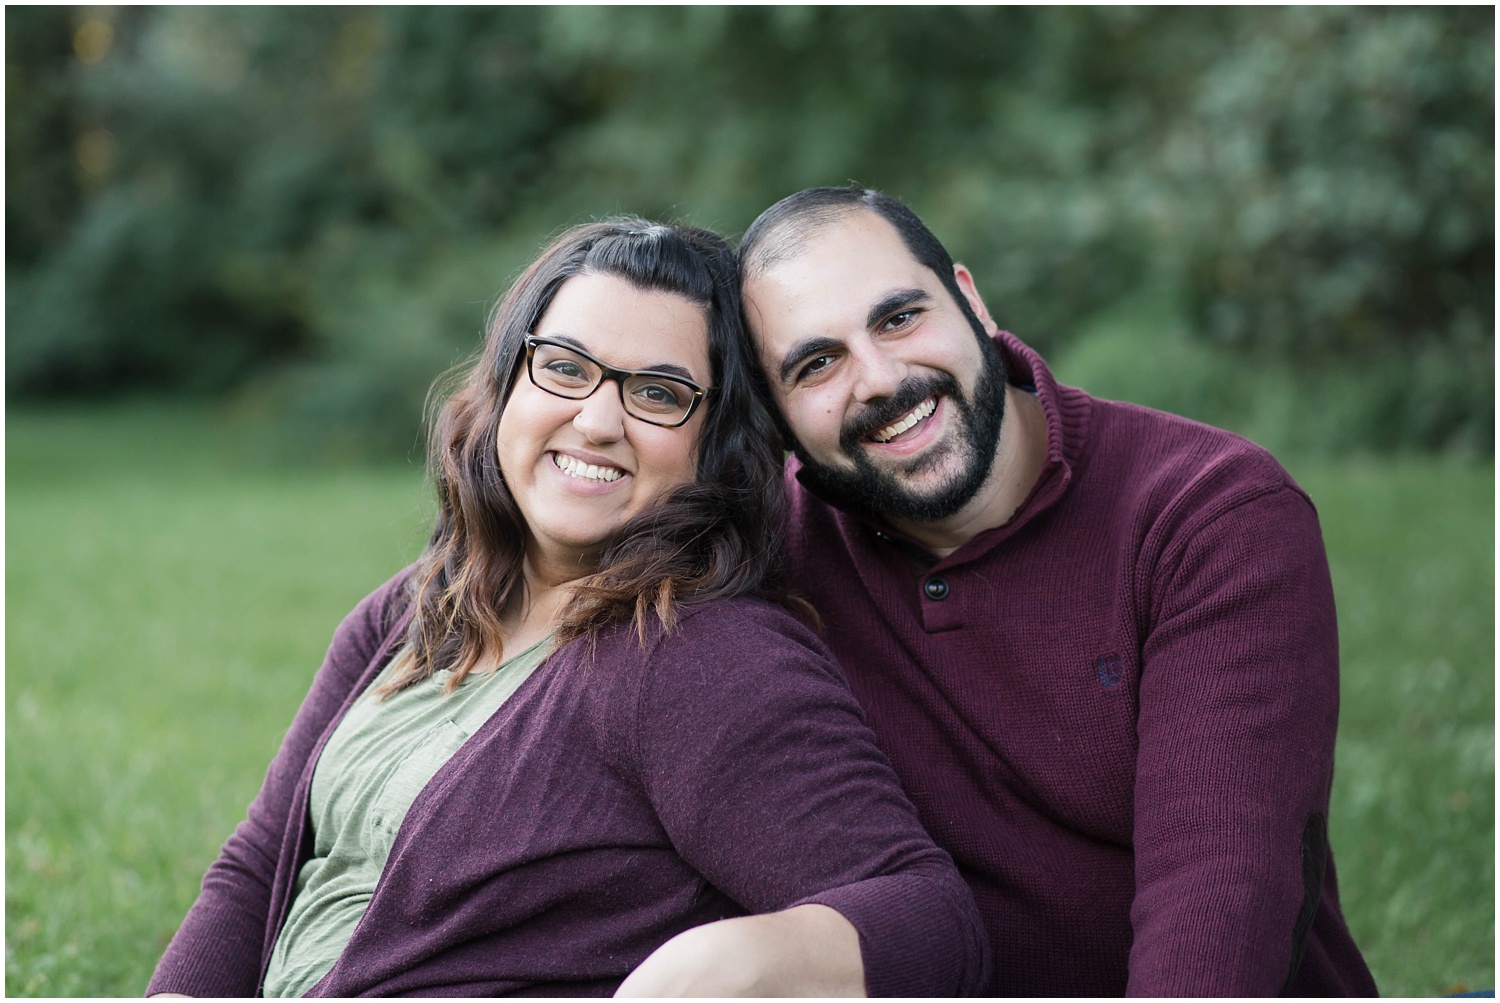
(1363, 227)
(311, 207)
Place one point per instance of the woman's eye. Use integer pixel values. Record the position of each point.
(658, 396)
(565, 370)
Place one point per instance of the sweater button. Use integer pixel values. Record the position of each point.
(936, 588)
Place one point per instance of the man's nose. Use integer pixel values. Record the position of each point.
(601, 416)
(878, 373)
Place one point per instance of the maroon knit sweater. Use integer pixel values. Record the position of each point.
(608, 805)
(1116, 711)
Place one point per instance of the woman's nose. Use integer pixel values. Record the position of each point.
(601, 417)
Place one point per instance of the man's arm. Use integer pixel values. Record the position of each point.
(1238, 710)
(808, 950)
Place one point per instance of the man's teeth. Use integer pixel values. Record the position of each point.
(586, 471)
(921, 411)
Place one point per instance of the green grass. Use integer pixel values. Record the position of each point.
(168, 600)
(1413, 818)
(166, 607)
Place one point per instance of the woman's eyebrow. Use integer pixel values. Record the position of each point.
(570, 340)
(894, 301)
(665, 368)
(670, 369)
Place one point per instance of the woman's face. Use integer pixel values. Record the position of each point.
(580, 469)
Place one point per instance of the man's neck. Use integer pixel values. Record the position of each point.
(1019, 458)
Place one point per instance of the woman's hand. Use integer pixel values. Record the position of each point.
(809, 950)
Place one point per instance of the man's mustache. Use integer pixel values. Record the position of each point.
(895, 407)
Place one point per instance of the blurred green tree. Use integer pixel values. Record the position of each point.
(311, 207)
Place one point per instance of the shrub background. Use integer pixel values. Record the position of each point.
(1279, 220)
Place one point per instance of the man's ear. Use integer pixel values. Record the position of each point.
(966, 286)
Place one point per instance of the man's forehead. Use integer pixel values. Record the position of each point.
(861, 235)
(841, 268)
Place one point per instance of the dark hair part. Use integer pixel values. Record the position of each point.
(783, 231)
(710, 539)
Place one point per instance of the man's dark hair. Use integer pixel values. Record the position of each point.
(783, 230)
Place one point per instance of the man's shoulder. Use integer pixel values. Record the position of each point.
(1139, 453)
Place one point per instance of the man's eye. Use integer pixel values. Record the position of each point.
(896, 321)
(815, 365)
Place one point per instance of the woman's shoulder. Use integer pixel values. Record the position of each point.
(751, 635)
(738, 626)
(728, 673)
(750, 614)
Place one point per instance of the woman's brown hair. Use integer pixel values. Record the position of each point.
(707, 540)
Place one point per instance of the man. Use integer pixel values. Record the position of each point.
(1096, 641)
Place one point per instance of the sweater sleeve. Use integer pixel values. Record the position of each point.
(217, 950)
(1238, 709)
(762, 770)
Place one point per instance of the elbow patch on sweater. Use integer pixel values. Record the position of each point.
(1314, 863)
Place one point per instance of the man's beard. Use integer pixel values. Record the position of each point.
(881, 493)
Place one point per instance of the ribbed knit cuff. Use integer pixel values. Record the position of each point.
(917, 936)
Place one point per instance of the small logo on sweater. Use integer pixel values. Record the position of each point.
(1110, 669)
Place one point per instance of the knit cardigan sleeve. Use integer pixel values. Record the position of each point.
(1238, 709)
(219, 947)
(763, 772)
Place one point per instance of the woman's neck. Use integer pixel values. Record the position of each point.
(533, 613)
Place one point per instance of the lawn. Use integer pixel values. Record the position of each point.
(168, 599)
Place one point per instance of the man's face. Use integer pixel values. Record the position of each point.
(894, 399)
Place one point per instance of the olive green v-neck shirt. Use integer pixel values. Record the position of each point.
(375, 764)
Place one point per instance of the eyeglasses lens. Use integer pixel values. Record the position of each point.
(657, 399)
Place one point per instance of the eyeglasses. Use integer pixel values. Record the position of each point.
(655, 398)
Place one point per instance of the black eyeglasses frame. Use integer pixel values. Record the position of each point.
(607, 373)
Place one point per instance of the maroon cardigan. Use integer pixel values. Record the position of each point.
(608, 805)
(1117, 711)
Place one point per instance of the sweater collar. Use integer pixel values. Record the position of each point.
(1066, 412)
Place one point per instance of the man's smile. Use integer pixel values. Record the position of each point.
(911, 418)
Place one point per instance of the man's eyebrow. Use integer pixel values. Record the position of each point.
(893, 302)
(665, 368)
(800, 352)
(887, 305)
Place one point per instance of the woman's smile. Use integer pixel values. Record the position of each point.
(580, 469)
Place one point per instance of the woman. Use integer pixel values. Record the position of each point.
(577, 727)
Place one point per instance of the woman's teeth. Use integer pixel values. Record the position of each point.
(586, 471)
(921, 411)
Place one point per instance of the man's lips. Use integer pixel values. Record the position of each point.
(905, 422)
(911, 398)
